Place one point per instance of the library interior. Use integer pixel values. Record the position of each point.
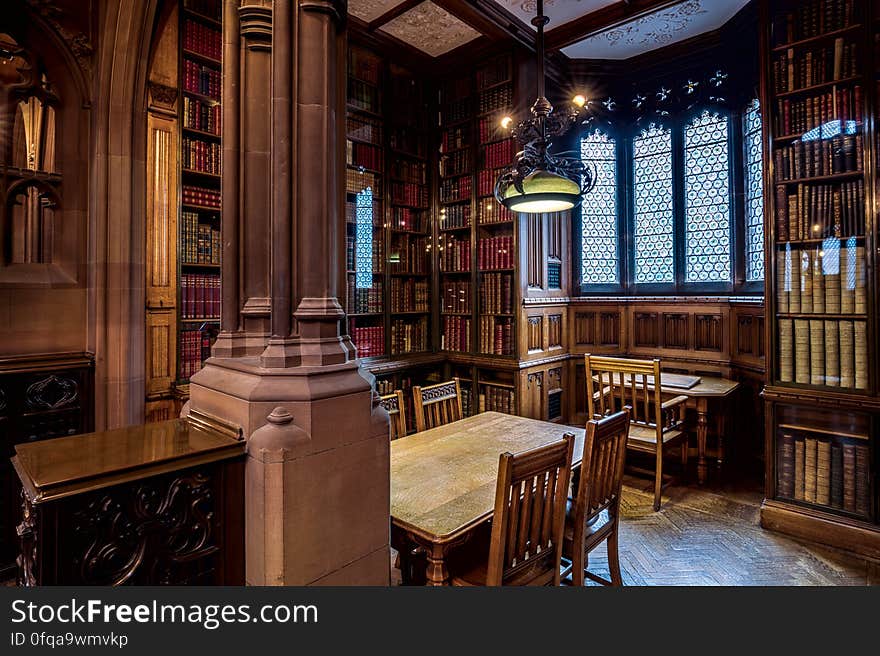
(439, 292)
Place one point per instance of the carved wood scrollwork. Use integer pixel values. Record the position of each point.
(146, 532)
(27, 540)
(52, 393)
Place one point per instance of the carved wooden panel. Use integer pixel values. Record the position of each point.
(554, 331)
(555, 238)
(161, 352)
(645, 329)
(554, 378)
(584, 328)
(709, 333)
(533, 402)
(535, 333)
(745, 335)
(534, 248)
(675, 330)
(609, 329)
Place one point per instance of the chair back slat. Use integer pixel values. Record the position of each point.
(630, 383)
(529, 517)
(437, 405)
(602, 466)
(396, 408)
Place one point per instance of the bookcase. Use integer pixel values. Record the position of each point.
(199, 75)
(819, 100)
(388, 263)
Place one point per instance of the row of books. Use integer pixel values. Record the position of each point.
(200, 242)
(375, 211)
(796, 115)
(385, 386)
(409, 336)
(494, 72)
(825, 472)
(357, 181)
(200, 295)
(495, 253)
(406, 170)
(456, 110)
(409, 254)
(408, 193)
(364, 128)
(194, 347)
(409, 140)
(199, 115)
(369, 340)
(496, 99)
(202, 40)
(826, 280)
(202, 156)
(364, 66)
(366, 155)
(496, 335)
(456, 189)
(455, 216)
(818, 157)
(408, 295)
(812, 18)
(377, 264)
(455, 138)
(497, 399)
(198, 78)
(456, 334)
(831, 352)
(800, 69)
(496, 293)
(363, 96)
(494, 212)
(455, 296)
(202, 196)
(490, 129)
(364, 301)
(457, 162)
(409, 219)
(818, 211)
(499, 154)
(456, 255)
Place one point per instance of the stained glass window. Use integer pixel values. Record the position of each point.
(599, 212)
(707, 199)
(652, 206)
(754, 192)
(364, 239)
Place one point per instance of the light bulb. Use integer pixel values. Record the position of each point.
(506, 122)
(579, 100)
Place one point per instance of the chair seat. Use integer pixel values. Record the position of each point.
(642, 436)
(468, 564)
(596, 529)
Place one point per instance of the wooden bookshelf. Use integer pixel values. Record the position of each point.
(821, 400)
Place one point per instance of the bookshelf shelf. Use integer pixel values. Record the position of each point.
(835, 177)
(212, 22)
(200, 96)
(818, 38)
(818, 87)
(363, 110)
(202, 174)
(201, 133)
(202, 208)
(204, 59)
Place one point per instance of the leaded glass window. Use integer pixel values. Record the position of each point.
(707, 199)
(599, 212)
(363, 253)
(754, 192)
(652, 206)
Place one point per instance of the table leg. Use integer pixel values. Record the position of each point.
(702, 434)
(722, 425)
(436, 571)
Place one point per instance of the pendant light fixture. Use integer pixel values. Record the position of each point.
(538, 181)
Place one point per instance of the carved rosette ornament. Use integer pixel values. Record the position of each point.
(27, 540)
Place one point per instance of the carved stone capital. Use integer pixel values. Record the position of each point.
(256, 26)
(162, 96)
(338, 9)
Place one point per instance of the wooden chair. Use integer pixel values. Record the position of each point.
(436, 405)
(656, 426)
(525, 545)
(396, 408)
(598, 492)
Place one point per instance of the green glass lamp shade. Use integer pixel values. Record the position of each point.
(544, 192)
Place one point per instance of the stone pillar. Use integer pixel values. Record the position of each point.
(318, 473)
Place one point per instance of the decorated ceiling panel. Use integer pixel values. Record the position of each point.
(370, 10)
(559, 11)
(431, 29)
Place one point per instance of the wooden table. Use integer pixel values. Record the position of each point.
(702, 396)
(443, 480)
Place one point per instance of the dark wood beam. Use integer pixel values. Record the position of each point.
(392, 13)
(596, 21)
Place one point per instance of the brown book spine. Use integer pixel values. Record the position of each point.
(817, 352)
(832, 353)
(786, 466)
(793, 262)
(863, 473)
(801, 351)
(836, 476)
(823, 472)
(849, 477)
(799, 474)
(810, 453)
(786, 350)
(847, 354)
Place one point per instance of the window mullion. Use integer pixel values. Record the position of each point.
(679, 228)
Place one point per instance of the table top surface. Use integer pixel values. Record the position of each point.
(443, 480)
(67, 460)
(708, 385)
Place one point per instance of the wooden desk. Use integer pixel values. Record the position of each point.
(443, 479)
(702, 396)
